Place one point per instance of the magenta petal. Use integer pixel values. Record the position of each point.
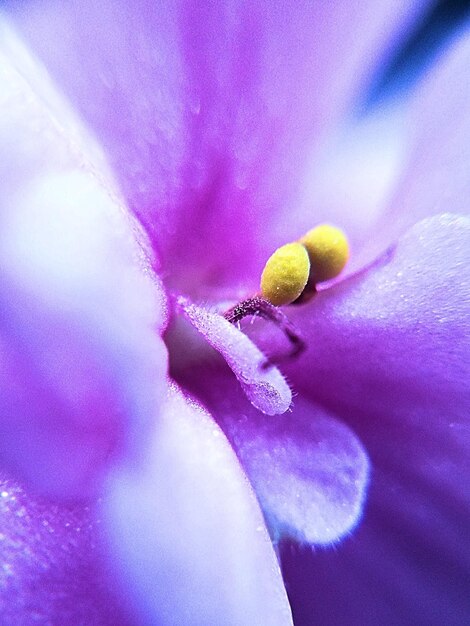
(81, 361)
(185, 533)
(266, 389)
(50, 571)
(209, 111)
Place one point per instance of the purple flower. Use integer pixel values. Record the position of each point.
(152, 159)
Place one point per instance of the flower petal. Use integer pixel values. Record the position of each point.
(81, 362)
(210, 111)
(390, 351)
(308, 470)
(266, 389)
(357, 173)
(50, 570)
(186, 531)
(407, 563)
(434, 177)
(395, 338)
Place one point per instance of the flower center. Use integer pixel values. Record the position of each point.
(290, 276)
(319, 255)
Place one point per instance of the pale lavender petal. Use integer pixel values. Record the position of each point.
(186, 531)
(265, 388)
(309, 471)
(357, 173)
(81, 361)
(435, 169)
(50, 564)
(210, 111)
(439, 124)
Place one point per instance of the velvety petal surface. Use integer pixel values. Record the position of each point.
(81, 361)
(309, 471)
(395, 338)
(390, 352)
(49, 559)
(210, 112)
(186, 532)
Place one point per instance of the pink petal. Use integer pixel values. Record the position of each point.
(308, 470)
(50, 570)
(210, 112)
(266, 389)
(81, 362)
(186, 532)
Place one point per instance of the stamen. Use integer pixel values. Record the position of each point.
(285, 274)
(259, 306)
(328, 250)
(290, 276)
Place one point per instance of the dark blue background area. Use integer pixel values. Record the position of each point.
(418, 51)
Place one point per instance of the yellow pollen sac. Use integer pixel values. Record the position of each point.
(285, 274)
(328, 250)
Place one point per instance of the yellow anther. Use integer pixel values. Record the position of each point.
(328, 250)
(285, 274)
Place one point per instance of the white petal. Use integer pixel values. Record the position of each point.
(187, 535)
(81, 361)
